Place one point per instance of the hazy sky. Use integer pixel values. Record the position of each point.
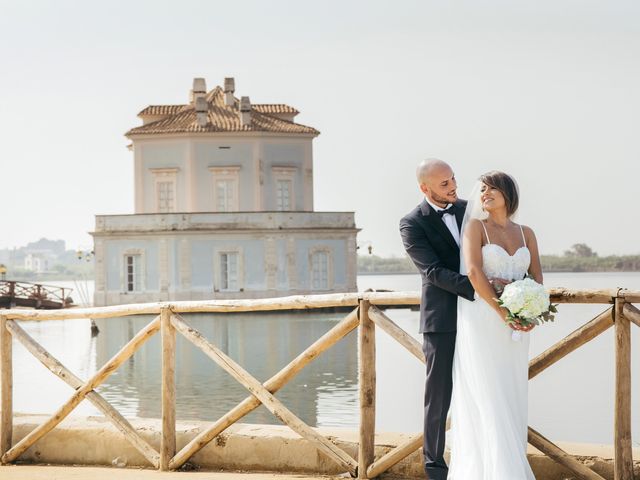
(547, 91)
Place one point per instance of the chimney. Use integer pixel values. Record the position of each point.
(245, 111)
(202, 112)
(229, 89)
(199, 90)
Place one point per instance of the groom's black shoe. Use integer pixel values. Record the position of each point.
(436, 470)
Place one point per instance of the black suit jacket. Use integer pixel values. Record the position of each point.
(434, 251)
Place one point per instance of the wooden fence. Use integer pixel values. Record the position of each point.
(366, 316)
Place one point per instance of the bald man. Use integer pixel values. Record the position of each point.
(431, 237)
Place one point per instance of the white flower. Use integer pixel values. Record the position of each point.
(525, 299)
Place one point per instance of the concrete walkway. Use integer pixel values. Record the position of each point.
(56, 472)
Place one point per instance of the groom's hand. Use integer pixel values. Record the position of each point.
(498, 284)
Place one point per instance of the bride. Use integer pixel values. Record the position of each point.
(490, 366)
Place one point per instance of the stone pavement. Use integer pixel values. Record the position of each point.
(57, 472)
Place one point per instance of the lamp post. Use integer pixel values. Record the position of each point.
(365, 244)
(87, 256)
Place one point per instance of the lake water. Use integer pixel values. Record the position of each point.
(571, 401)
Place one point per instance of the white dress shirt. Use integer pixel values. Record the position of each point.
(449, 220)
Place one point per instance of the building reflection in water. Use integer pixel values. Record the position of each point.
(324, 393)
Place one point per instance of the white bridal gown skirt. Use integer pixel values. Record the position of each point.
(488, 435)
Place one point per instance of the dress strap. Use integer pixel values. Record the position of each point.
(524, 240)
(485, 232)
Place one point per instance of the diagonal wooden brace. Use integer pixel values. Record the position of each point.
(632, 313)
(394, 456)
(62, 372)
(560, 456)
(275, 383)
(396, 332)
(101, 375)
(268, 400)
(571, 342)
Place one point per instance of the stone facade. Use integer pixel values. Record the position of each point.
(223, 209)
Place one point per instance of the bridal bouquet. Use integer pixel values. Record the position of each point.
(528, 304)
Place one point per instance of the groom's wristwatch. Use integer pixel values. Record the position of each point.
(497, 287)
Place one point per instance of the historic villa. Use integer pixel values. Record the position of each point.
(223, 208)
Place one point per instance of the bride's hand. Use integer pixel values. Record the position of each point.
(514, 325)
(523, 328)
(504, 315)
(527, 328)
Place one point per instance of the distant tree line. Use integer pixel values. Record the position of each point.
(57, 272)
(376, 264)
(579, 258)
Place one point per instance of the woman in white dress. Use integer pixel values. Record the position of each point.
(490, 366)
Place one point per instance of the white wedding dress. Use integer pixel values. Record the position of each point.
(490, 384)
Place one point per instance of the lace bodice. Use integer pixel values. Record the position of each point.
(497, 263)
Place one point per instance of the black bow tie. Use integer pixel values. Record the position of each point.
(451, 210)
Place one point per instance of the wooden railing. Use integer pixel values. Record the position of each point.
(366, 315)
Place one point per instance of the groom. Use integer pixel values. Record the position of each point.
(431, 237)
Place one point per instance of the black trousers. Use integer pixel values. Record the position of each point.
(438, 350)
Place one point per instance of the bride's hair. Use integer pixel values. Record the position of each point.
(506, 185)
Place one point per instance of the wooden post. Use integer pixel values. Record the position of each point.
(367, 382)
(6, 387)
(623, 460)
(168, 441)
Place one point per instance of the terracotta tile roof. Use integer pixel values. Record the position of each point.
(162, 110)
(275, 108)
(222, 118)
